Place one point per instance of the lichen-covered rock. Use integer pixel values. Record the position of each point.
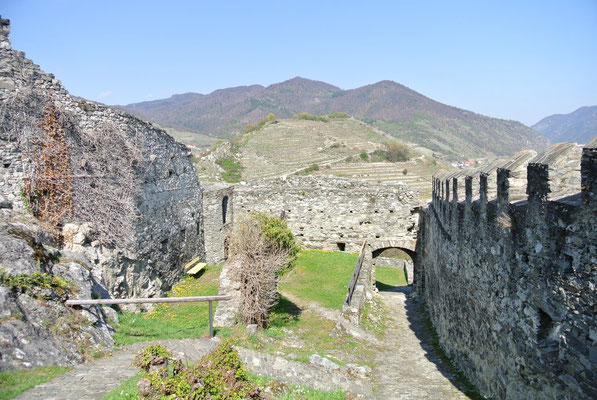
(36, 328)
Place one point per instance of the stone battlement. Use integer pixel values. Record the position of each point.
(510, 285)
(453, 204)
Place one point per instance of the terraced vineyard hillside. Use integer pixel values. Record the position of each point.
(415, 173)
(290, 145)
(335, 147)
(398, 110)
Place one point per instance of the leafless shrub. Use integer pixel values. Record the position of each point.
(50, 185)
(258, 264)
(105, 181)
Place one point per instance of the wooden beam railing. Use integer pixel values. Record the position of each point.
(355, 274)
(195, 299)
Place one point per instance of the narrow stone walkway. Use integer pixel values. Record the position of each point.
(93, 380)
(408, 367)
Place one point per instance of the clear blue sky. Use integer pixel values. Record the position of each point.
(521, 60)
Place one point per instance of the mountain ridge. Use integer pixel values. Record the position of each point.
(578, 126)
(390, 106)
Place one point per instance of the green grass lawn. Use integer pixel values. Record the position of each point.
(13, 383)
(387, 278)
(173, 321)
(320, 276)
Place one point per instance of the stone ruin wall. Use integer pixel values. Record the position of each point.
(168, 230)
(217, 221)
(510, 287)
(333, 214)
(322, 212)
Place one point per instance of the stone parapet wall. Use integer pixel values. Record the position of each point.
(510, 287)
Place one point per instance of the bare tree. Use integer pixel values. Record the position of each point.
(258, 263)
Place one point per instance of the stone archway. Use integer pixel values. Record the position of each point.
(407, 246)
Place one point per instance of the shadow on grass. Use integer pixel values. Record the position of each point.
(284, 312)
(384, 287)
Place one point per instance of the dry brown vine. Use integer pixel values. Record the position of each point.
(50, 186)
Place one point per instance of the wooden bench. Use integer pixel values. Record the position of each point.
(192, 269)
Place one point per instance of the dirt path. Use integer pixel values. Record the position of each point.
(408, 367)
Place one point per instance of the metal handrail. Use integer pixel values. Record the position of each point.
(143, 300)
(355, 275)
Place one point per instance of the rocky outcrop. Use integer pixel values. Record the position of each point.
(36, 328)
(130, 185)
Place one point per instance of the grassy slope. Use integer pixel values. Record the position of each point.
(13, 383)
(389, 277)
(320, 276)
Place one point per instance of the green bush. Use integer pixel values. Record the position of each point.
(396, 152)
(338, 115)
(307, 116)
(28, 283)
(232, 169)
(218, 375)
(310, 170)
(379, 155)
(255, 127)
(364, 156)
(148, 355)
(280, 235)
(404, 171)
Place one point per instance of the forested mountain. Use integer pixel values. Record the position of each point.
(398, 110)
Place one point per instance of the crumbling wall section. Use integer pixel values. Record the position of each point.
(218, 216)
(333, 214)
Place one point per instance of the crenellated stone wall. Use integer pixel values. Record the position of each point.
(510, 286)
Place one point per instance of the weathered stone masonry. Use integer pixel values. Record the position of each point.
(510, 287)
(323, 213)
(334, 214)
(218, 216)
(168, 227)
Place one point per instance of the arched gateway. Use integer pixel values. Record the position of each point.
(407, 246)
